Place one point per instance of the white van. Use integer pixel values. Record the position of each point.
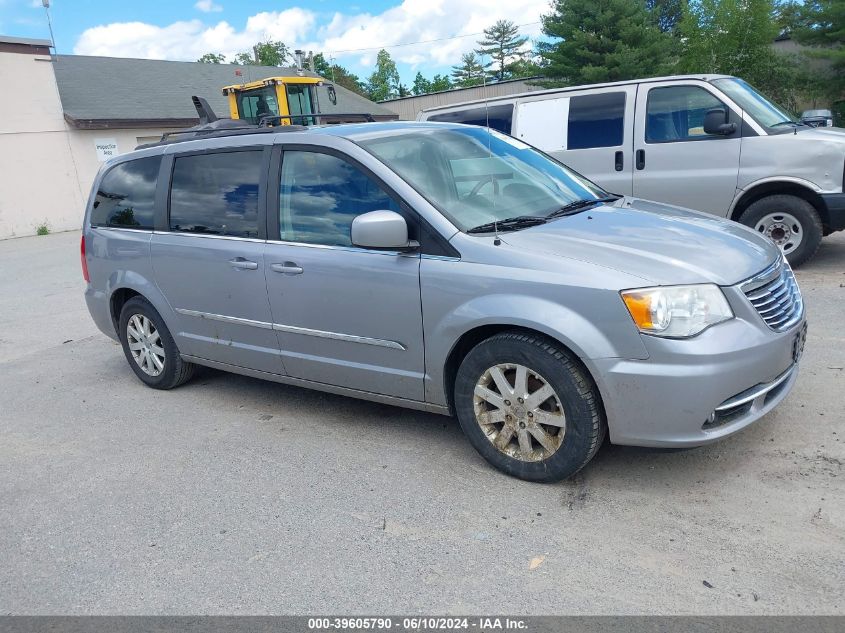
(706, 142)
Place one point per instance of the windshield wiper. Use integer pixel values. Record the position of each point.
(579, 205)
(795, 123)
(509, 224)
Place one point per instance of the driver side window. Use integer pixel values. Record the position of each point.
(321, 194)
(676, 113)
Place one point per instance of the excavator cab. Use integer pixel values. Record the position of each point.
(280, 100)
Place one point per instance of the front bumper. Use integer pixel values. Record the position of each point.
(835, 205)
(695, 391)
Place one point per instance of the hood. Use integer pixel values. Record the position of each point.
(823, 133)
(662, 244)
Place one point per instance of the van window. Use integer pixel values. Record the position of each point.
(321, 194)
(596, 120)
(500, 117)
(126, 195)
(676, 113)
(216, 194)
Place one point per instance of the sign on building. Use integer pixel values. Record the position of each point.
(106, 148)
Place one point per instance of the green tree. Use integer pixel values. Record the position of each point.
(439, 83)
(603, 40)
(212, 58)
(667, 14)
(337, 74)
(422, 86)
(821, 25)
(470, 72)
(503, 44)
(734, 37)
(384, 82)
(268, 53)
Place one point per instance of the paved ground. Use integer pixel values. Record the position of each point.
(231, 495)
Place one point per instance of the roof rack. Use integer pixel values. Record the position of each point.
(276, 119)
(212, 127)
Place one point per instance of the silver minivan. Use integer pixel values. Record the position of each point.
(447, 268)
(705, 142)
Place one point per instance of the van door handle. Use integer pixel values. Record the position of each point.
(288, 268)
(619, 163)
(640, 159)
(245, 264)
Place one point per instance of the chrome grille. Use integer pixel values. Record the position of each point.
(775, 295)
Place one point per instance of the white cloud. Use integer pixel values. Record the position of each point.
(188, 40)
(339, 35)
(208, 6)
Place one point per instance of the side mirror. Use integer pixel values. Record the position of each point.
(382, 230)
(716, 122)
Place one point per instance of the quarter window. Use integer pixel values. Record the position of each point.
(676, 113)
(126, 195)
(498, 117)
(321, 194)
(216, 194)
(596, 121)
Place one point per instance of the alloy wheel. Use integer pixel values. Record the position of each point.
(145, 344)
(519, 412)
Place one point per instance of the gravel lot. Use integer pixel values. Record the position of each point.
(232, 495)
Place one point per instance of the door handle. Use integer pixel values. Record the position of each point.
(288, 268)
(245, 264)
(619, 161)
(640, 159)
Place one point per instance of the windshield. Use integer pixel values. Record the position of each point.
(761, 109)
(475, 177)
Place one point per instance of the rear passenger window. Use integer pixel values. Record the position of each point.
(498, 117)
(596, 121)
(126, 195)
(321, 194)
(216, 194)
(676, 113)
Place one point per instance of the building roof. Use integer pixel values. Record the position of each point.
(26, 41)
(100, 92)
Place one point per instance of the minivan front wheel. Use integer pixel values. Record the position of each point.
(528, 407)
(149, 346)
(790, 222)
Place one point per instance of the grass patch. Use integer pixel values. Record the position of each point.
(42, 229)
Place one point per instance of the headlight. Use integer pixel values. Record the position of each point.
(677, 311)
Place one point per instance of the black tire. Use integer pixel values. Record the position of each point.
(802, 211)
(578, 396)
(175, 371)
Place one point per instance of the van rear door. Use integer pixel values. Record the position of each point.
(675, 161)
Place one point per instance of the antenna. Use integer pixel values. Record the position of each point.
(46, 5)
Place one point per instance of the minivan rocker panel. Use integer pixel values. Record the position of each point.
(541, 311)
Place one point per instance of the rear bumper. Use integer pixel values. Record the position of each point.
(835, 205)
(696, 391)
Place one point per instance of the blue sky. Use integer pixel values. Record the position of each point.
(351, 32)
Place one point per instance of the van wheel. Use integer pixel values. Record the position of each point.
(790, 222)
(149, 347)
(528, 407)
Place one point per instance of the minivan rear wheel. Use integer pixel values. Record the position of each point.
(790, 222)
(149, 347)
(528, 407)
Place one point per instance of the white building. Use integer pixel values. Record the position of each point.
(65, 114)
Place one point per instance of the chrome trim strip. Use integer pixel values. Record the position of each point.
(120, 228)
(210, 236)
(337, 336)
(226, 319)
(352, 249)
(741, 399)
(351, 338)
